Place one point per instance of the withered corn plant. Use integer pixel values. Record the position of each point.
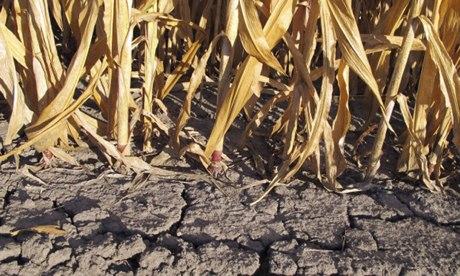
(125, 57)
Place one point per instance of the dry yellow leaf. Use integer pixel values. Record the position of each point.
(51, 230)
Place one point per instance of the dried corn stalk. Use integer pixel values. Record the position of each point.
(61, 55)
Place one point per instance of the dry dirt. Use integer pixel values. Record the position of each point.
(182, 223)
(186, 225)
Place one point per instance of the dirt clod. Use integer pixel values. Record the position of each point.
(9, 249)
(36, 249)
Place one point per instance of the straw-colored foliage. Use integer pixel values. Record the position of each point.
(308, 57)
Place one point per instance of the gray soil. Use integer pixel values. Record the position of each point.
(173, 225)
(183, 223)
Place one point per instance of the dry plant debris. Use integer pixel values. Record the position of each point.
(307, 59)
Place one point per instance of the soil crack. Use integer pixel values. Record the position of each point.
(173, 229)
(419, 215)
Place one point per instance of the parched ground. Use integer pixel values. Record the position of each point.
(184, 224)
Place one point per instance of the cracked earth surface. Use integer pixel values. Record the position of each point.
(176, 226)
